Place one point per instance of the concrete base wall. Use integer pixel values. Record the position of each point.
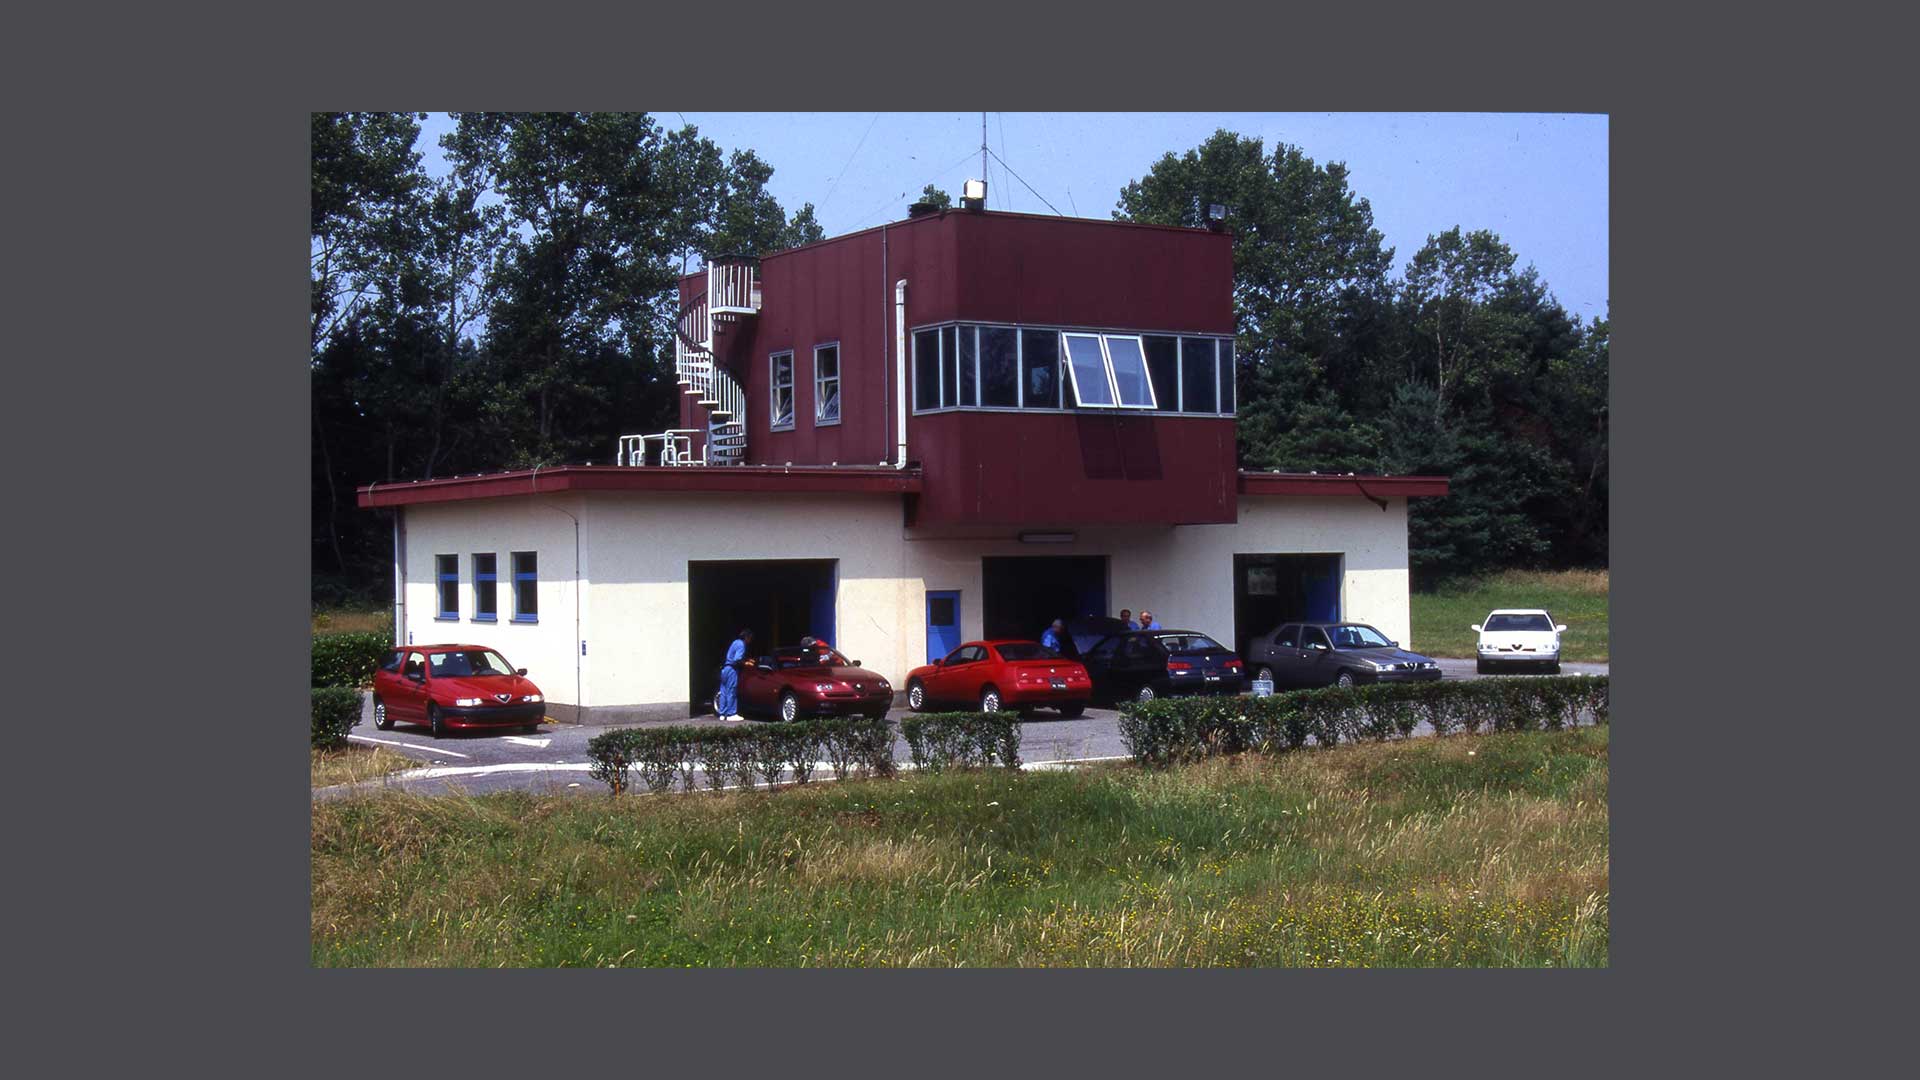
(629, 595)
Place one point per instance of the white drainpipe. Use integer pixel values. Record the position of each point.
(900, 370)
(400, 575)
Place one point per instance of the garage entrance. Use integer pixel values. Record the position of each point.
(1271, 589)
(1021, 594)
(781, 600)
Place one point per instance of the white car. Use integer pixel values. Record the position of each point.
(1519, 637)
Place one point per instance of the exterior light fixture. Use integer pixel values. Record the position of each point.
(973, 195)
(1216, 216)
(1047, 537)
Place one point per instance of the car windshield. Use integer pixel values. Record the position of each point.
(811, 657)
(467, 663)
(1026, 650)
(1188, 642)
(1357, 636)
(1519, 622)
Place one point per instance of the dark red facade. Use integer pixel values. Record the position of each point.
(980, 466)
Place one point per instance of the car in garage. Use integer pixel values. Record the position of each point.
(454, 687)
(1514, 638)
(1305, 654)
(811, 680)
(1141, 665)
(995, 675)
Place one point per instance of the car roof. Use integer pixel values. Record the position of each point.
(433, 648)
(1342, 622)
(1518, 611)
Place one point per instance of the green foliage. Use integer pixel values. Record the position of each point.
(962, 740)
(933, 196)
(1173, 731)
(744, 755)
(348, 659)
(335, 710)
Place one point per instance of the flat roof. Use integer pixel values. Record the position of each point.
(1254, 482)
(809, 479)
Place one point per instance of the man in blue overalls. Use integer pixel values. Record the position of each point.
(1051, 637)
(727, 702)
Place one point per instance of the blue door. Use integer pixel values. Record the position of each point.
(943, 624)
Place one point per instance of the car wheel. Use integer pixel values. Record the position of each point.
(380, 718)
(1344, 680)
(434, 724)
(789, 707)
(916, 696)
(1071, 711)
(1481, 667)
(989, 700)
(1145, 694)
(1264, 674)
(1553, 667)
(531, 728)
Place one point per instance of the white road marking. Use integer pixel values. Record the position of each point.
(539, 744)
(446, 771)
(411, 746)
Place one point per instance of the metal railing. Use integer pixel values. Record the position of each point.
(733, 286)
(711, 387)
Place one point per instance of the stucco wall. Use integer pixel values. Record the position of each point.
(635, 550)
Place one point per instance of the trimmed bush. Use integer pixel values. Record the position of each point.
(1170, 731)
(962, 740)
(335, 710)
(348, 659)
(674, 756)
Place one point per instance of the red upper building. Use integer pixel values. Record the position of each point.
(1038, 370)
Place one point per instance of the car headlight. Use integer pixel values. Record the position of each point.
(822, 687)
(884, 685)
(466, 702)
(533, 699)
(1485, 647)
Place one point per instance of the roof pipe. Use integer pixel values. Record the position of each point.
(900, 371)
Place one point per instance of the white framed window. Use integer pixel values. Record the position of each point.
(1108, 371)
(780, 384)
(826, 384)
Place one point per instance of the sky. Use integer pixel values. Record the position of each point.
(1537, 180)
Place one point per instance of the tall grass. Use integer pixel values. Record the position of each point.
(1470, 851)
(1442, 618)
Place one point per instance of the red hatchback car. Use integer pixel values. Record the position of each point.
(812, 680)
(992, 675)
(454, 686)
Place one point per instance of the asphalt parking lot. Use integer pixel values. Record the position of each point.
(555, 758)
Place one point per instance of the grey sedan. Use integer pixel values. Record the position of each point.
(1334, 654)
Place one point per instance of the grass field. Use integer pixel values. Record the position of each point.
(1466, 851)
(350, 764)
(1578, 598)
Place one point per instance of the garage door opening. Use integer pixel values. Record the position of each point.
(781, 600)
(1022, 594)
(1271, 589)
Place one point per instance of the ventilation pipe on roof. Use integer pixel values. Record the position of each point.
(900, 371)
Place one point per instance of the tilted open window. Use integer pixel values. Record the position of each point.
(1108, 371)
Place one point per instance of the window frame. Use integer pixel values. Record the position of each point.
(441, 579)
(943, 365)
(491, 578)
(840, 401)
(773, 392)
(519, 576)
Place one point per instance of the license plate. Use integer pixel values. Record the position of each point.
(1059, 684)
(1213, 678)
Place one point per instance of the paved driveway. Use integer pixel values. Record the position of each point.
(555, 759)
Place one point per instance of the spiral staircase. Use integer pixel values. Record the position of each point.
(732, 293)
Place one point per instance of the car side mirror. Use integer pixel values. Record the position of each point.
(856, 663)
(1395, 644)
(940, 662)
(520, 671)
(764, 661)
(1560, 628)
(1476, 628)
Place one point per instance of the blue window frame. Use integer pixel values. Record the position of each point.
(486, 588)
(447, 585)
(526, 587)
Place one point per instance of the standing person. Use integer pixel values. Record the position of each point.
(1051, 637)
(727, 702)
(1126, 617)
(1147, 621)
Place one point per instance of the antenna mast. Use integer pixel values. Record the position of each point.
(983, 149)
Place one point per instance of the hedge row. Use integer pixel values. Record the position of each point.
(962, 740)
(348, 659)
(335, 710)
(666, 757)
(1173, 730)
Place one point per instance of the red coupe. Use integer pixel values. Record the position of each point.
(454, 686)
(992, 675)
(811, 680)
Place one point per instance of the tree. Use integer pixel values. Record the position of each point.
(933, 196)
(802, 229)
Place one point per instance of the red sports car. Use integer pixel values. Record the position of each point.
(454, 686)
(992, 675)
(811, 680)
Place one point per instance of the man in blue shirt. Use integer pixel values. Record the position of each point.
(1051, 637)
(1147, 621)
(727, 702)
(1126, 617)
